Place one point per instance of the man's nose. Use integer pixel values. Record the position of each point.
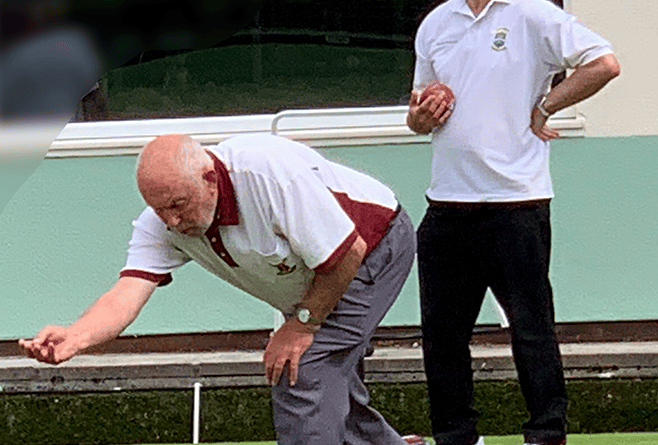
(171, 219)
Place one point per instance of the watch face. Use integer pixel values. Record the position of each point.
(303, 315)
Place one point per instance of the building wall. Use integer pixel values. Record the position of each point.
(63, 235)
(629, 105)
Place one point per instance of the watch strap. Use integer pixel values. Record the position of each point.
(540, 107)
(305, 317)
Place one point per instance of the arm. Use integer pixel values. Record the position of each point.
(103, 321)
(585, 81)
(293, 338)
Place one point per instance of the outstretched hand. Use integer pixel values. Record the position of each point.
(53, 344)
(286, 346)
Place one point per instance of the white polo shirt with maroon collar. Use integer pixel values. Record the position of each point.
(498, 64)
(284, 214)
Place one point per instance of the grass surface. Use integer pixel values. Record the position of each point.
(574, 439)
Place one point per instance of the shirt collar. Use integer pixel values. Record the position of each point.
(461, 7)
(227, 204)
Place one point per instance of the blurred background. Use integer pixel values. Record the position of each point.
(53, 53)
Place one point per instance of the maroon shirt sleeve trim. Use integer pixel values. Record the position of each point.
(338, 254)
(161, 279)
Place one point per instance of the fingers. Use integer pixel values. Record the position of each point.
(26, 346)
(275, 365)
(439, 110)
(432, 102)
(294, 367)
(444, 117)
(286, 348)
(269, 360)
(413, 100)
(50, 354)
(37, 350)
(442, 113)
(51, 334)
(276, 371)
(539, 127)
(48, 345)
(546, 133)
(434, 110)
(549, 133)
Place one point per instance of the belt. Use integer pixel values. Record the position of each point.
(488, 204)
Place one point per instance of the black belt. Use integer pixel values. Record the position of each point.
(487, 204)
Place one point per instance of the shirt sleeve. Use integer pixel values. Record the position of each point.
(567, 43)
(303, 211)
(424, 73)
(151, 256)
(316, 226)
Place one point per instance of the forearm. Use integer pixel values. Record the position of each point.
(293, 338)
(111, 313)
(103, 321)
(327, 288)
(584, 82)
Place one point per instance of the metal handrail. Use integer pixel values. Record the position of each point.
(331, 112)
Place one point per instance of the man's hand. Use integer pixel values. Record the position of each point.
(286, 346)
(539, 127)
(432, 112)
(53, 345)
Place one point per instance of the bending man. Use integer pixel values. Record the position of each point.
(326, 245)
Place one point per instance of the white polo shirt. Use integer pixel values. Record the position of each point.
(498, 64)
(285, 213)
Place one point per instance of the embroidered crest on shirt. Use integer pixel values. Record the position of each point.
(284, 269)
(500, 36)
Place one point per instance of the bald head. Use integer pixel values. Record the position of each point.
(165, 161)
(173, 169)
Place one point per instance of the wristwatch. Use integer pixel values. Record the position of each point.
(540, 107)
(303, 315)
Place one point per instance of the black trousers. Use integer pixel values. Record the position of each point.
(463, 249)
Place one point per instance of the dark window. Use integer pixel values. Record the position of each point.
(292, 54)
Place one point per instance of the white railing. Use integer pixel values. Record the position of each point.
(346, 126)
(317, 128)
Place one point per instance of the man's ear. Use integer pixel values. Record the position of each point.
(210, 176)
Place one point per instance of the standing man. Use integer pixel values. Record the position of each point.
(326, 245)
(487, 224)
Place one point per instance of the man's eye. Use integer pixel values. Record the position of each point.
(177, 205)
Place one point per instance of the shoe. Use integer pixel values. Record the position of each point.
(415, 439)
(561, 441)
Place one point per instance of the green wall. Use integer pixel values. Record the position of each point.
(64, 234)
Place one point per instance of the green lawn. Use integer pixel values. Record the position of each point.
(575, 439)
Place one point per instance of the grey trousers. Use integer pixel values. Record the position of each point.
(329, 403)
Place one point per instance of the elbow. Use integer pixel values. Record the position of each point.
(611, 66)
(359, 248)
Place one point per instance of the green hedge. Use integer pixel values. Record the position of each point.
(242, 414)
